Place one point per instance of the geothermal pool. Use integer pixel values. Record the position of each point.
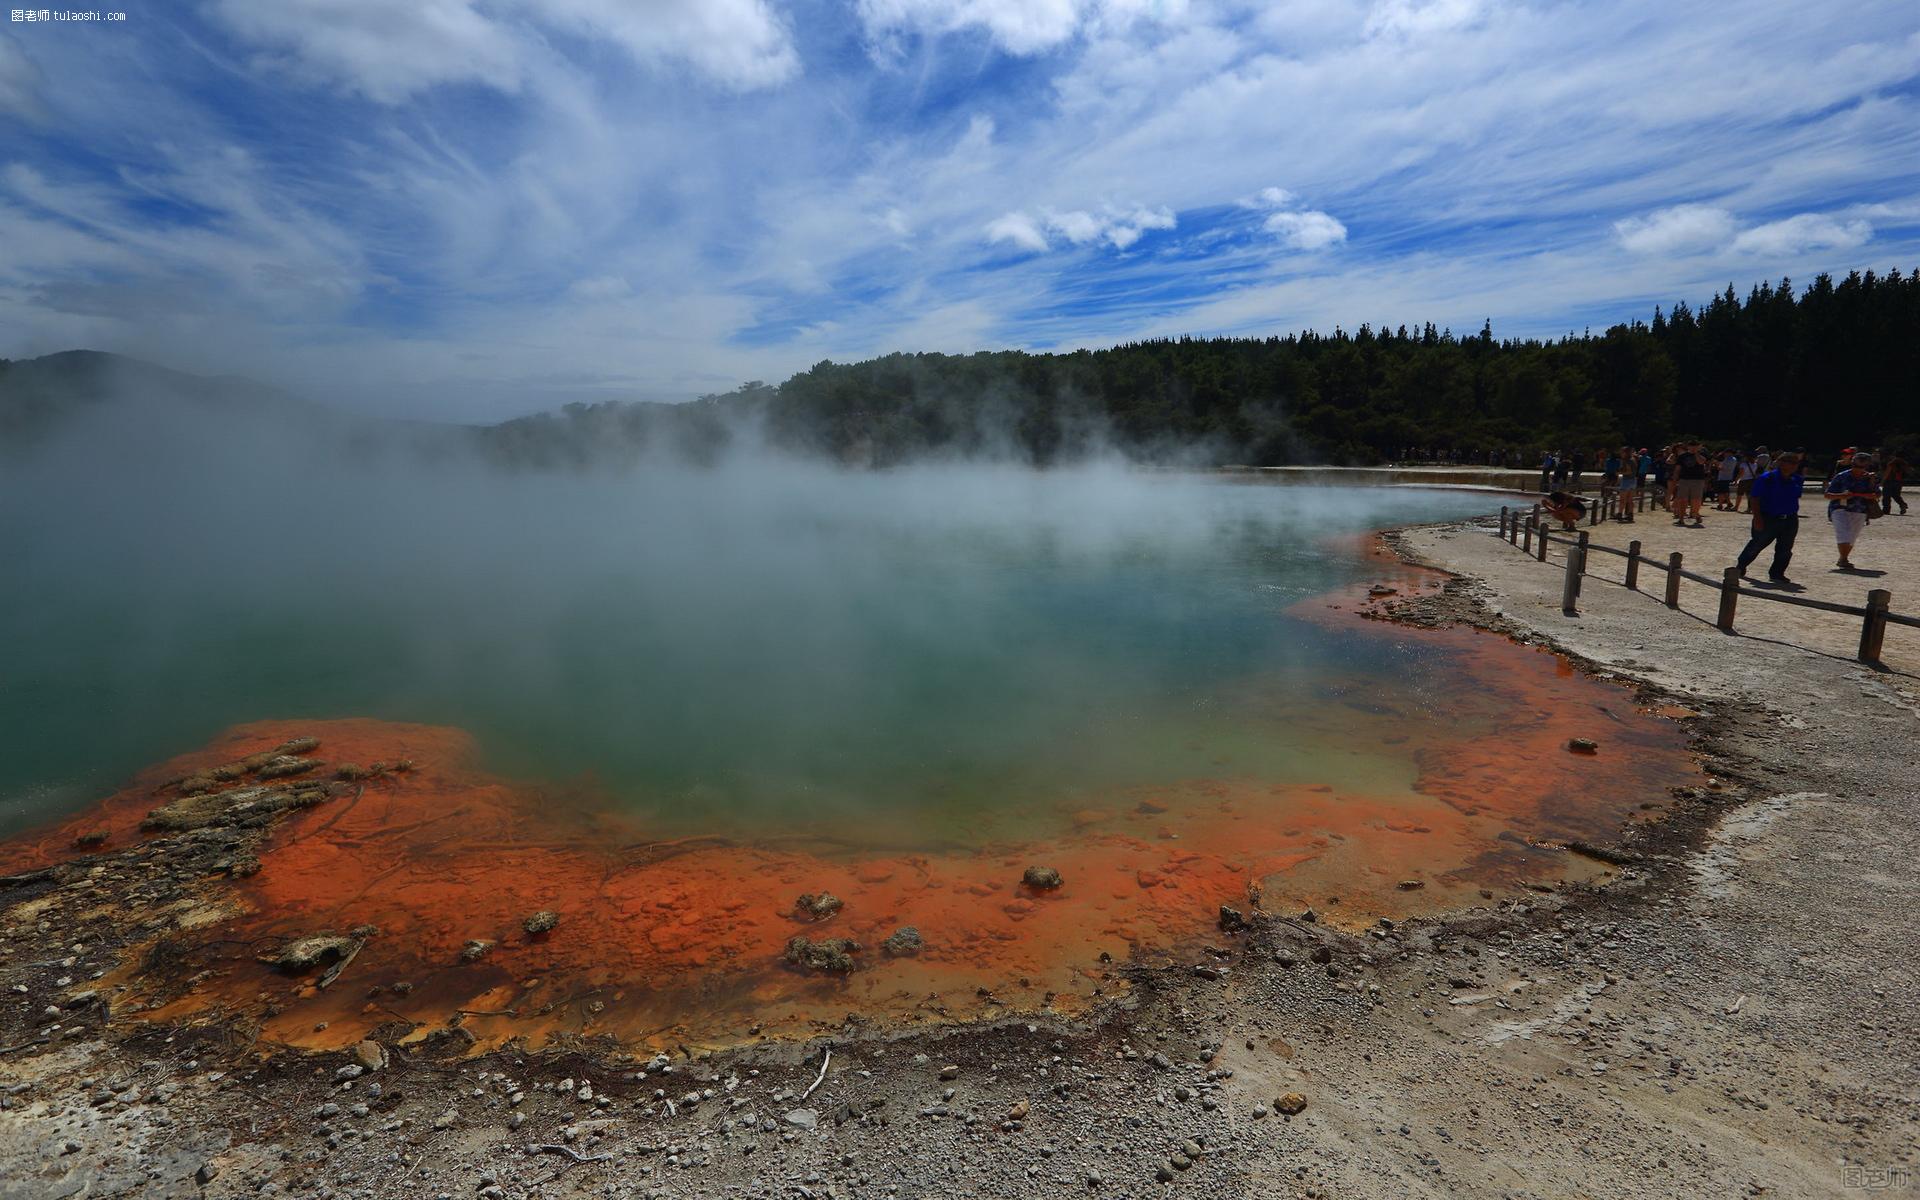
(664, 706)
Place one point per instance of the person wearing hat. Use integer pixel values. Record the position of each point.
(1853, 499)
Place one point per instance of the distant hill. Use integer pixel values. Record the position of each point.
(37, 394)
(1826, 366)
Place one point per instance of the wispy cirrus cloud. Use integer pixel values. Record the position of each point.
(391, 52)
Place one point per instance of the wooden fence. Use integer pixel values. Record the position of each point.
(1531, 533)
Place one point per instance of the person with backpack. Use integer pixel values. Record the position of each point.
(1853, 500)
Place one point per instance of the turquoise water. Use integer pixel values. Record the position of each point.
(769, 646)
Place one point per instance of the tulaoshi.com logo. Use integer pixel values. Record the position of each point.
(22, 15)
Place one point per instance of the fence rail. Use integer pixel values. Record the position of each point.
(1527, 530)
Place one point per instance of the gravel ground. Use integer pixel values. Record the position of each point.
(1731, 1015)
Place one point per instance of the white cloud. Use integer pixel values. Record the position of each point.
(1077, 227)
(1021, 27)
(1297, 228)
(1307, 230)
(1681, 229)
(1799, 234)
(1019, 229)
(1701, 228)
(1124, 231)
(1118, 227)
(389, 52)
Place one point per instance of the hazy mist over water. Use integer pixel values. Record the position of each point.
(764, 643)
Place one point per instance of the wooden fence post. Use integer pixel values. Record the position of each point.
(1526, 544)
(1540, 551)
(1503, 523)
(1570, 585)
(1673, 580)
(1729, 597)
(1873, 629)
(1633, 565)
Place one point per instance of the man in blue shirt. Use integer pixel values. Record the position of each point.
(1776, 517)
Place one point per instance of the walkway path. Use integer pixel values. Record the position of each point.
(1888, 555)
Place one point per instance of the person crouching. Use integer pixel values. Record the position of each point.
(1566, 508)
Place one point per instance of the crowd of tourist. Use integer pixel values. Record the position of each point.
(1681, 479)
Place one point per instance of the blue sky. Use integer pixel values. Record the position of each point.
(472, 208)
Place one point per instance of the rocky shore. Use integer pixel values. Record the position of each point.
(1729, 1015)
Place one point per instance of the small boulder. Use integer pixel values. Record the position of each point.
(541, 922)
(475, 949)
(904, 942)
(1041, 878)
(307, 952)
(1291, 1104)
(1583, 745)
(1411, 885)
(828, 954)
(370, 1055)
(818, 906)
(1231, 919)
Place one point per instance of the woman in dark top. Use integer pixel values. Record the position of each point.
(1893, 480)
(1690, 483)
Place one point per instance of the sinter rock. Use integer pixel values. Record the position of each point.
(817, 906)
(827, 954)
(541, 921)
(904, 943)
(1044, 878)
(308, 952)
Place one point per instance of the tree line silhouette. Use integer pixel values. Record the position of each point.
(1837, 363)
